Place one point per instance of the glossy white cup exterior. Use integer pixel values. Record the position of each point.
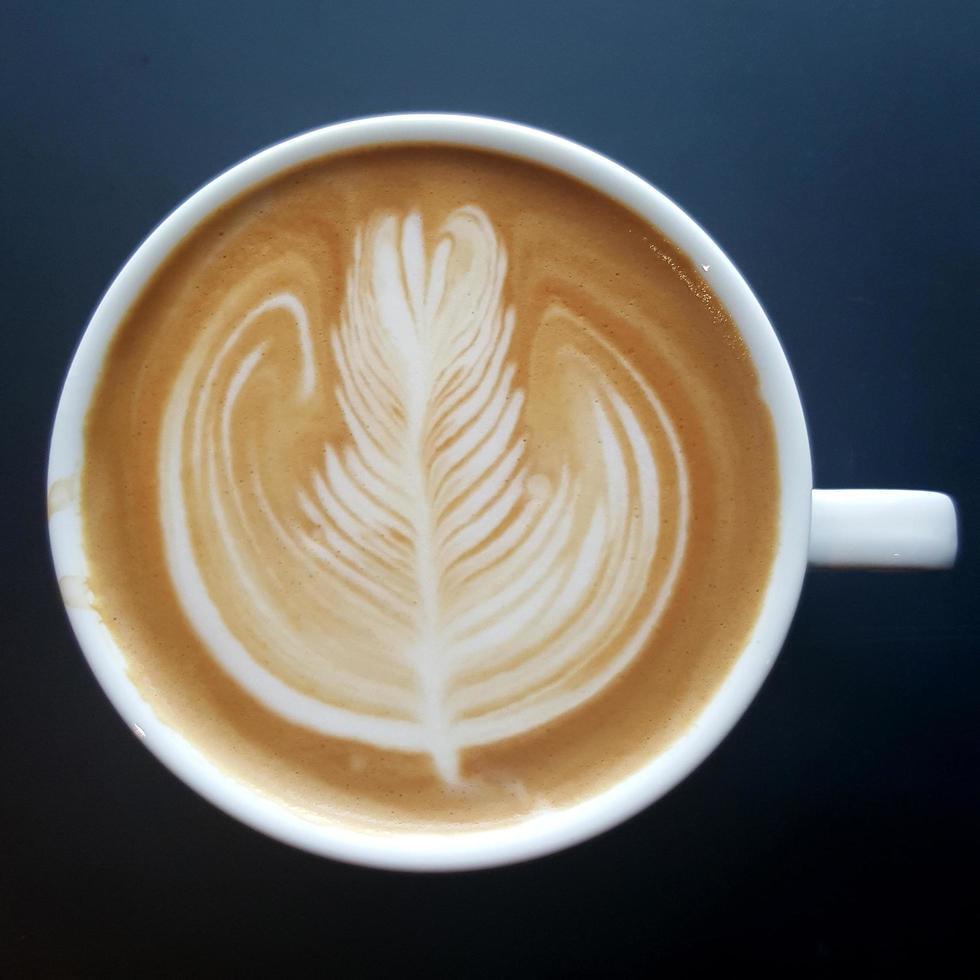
(555, 829)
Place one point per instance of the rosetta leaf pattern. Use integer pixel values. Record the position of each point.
(453, 596)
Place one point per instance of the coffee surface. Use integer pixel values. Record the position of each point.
(425, 487)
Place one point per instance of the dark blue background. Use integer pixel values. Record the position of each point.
(832, 149)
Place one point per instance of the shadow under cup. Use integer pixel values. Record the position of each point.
(549, 829)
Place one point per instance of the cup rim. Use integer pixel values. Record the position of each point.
(542, 833)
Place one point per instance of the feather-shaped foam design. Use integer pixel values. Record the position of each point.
(423, 587)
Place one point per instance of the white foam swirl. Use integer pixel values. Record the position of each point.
(423, 589)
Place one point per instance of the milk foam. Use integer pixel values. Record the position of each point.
(444, 592)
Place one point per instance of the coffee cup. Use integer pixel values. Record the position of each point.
(834, 528)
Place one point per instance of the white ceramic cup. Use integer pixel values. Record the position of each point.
(894, 528)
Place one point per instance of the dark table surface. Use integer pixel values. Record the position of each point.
(832, 148)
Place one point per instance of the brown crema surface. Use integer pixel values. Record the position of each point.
(568, 247)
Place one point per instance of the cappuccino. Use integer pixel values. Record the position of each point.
(427, 487)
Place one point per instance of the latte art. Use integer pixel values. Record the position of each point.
(426, 587)
(427, 488)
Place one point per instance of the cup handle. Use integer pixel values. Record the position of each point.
(882, 529)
